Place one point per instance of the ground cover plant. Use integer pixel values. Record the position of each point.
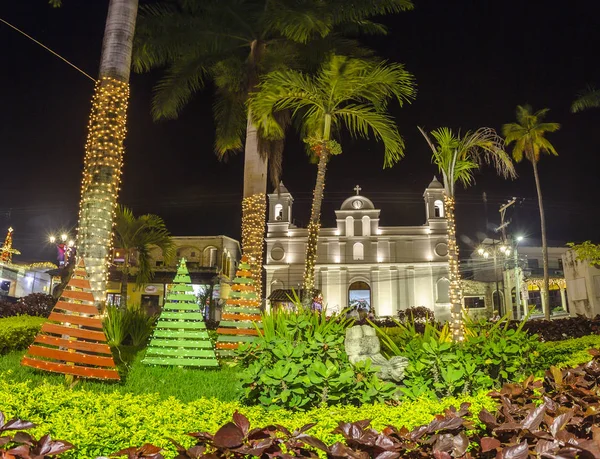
(183, 384)
(100, 423)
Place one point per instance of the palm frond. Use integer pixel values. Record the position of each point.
(588, 98)
(174, 90)
(528, 134)
(362, 120)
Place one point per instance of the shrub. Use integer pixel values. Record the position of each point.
(299, 362)
(561, 329)
(34, 304)
(21, 445)
(18, 332)
(127, 326)
(569, 353)
(101, 423)
(491, 355)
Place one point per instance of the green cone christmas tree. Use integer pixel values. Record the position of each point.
(241, 311)
(180, 337)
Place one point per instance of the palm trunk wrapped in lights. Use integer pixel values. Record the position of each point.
(454, 273)
(322, 150)
(104, 147)
(254, 204)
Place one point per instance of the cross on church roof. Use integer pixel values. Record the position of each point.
(357, 189)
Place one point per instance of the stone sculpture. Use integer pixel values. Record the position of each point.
(362, 344)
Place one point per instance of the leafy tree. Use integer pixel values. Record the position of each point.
(135, 237)
(232, 43)
(346, 94)
(587, 252)
(457, 157)
(528, 135)
(588, 98)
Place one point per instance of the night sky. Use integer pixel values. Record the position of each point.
(474, 61)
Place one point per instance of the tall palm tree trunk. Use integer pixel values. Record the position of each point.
(315, 224)
(254, 204)
(454, 273)
(546, 289)
(104, 147)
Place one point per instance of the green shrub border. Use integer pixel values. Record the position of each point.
(18, 332)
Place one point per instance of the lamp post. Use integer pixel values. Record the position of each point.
(517, 277)
(495, 251)
(64, 246)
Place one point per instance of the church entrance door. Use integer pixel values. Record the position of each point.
(359, 297)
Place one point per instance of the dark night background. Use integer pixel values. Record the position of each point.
(474, 61)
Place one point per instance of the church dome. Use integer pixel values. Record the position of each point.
(435, 183)
(357, 202)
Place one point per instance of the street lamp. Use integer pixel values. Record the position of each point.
(495, 250)
(64, 246)
(517, 277)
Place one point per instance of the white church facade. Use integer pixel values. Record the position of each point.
(361, 264)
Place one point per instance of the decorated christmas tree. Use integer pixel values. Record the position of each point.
(72, 341)
(7, 249)
(240, 314)
(180, 337)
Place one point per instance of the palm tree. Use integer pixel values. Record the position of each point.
(232, 43)
(346, 93)
(528, 134)
(135, 237)
(588, 98)
(457, 157)
(104, 146)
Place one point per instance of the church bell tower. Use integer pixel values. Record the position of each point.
(280, 210)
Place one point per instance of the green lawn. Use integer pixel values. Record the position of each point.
(182, 383)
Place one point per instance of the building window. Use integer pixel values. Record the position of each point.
(438, 209)
(278, 212)
(159, 263)
(349, 226)
(366, 226)
(193, 254)
(560, 264)
(533, 263)
(443, 291)
(210, 257)
(474, 302)
(113, 299)
(359, 297)
(358, 251)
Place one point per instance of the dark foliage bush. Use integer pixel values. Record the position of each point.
(560, 329)
(34, 304)
(21, 445)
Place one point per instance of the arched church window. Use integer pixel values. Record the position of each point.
(443, 291)
(210, 256)
(438, 209)
(366, 226)
(278, 212)
(358, 251)
(349, 226)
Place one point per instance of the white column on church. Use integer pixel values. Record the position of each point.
(410, 286)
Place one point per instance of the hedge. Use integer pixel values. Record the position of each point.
(100, 424)
(569, 353)
(18, 332)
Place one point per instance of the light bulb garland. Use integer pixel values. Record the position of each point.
(457, 324)
(101, 179)
(241, 314)
(323, 150)
(254, 210)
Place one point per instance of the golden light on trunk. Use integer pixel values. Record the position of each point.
(454, 273)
